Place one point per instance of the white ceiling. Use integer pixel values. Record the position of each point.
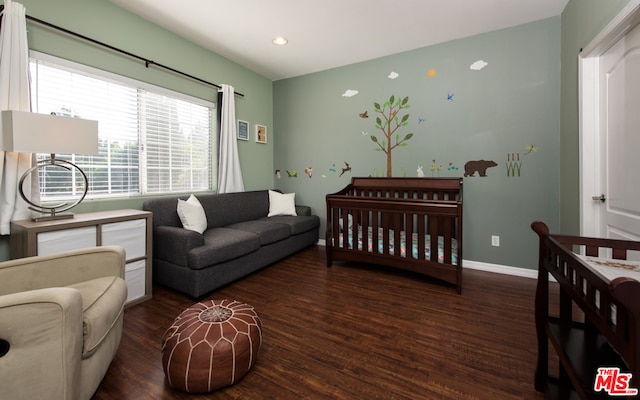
(330, 33)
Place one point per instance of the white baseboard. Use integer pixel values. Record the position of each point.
(482, 266)
(501, 269)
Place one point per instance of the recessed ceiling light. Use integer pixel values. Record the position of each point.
(280, 41)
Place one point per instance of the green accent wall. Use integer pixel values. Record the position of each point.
(582, 21)
(523, 97)
(457, 114)
(102, 20)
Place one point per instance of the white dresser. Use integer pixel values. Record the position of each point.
(130, 229)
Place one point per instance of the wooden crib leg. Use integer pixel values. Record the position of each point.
(541, 310)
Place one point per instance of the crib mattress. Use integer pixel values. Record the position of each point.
(403, 244)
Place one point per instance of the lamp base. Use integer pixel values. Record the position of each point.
(52, 217)
(55, 211)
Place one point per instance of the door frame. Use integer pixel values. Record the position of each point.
(589, 114)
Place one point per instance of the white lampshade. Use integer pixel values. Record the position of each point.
(28, 132)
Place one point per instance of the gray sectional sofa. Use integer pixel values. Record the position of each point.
(239, 239)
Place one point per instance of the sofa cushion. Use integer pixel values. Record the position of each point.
(222, 244)
(229, 208)
(299, 224)
(102, 303)
(267, 231)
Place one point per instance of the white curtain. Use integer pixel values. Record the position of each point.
(14, 95)
(229, 173)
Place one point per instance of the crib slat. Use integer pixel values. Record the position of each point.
(433, 238)
(397, 247)
(335, 215)
(447, 241)
(422, 222)
(375, 225)
(384, 219)
(619, 254)
(409, 235)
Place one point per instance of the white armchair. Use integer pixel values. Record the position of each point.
(60, 322)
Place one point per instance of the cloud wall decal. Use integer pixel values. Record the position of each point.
(478, 65)
(350, 93)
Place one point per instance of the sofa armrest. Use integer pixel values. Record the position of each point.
(303, 210)
(173, 244)
(61, 269)
(43, 330)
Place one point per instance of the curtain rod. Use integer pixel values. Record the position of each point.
(146, 61)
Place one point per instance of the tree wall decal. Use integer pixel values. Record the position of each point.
(389, 125)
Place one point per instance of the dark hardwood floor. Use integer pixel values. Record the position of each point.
(353, 332)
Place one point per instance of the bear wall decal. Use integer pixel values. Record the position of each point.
(480, 166)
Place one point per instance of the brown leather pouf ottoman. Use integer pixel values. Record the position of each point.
(210, 345)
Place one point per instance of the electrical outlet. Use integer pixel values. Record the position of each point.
(495, 241)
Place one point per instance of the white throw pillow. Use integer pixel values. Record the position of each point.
(192, 214)
(281, 204)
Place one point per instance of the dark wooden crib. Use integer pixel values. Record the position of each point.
(594, 321)
(409, 223)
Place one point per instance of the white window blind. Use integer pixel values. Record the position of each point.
(151, 140)
(176, 136)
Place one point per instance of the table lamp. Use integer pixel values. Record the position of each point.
(28, 132)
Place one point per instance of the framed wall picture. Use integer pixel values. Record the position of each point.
(243, 130)
(261, 133)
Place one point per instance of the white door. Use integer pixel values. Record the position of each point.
(619, 142)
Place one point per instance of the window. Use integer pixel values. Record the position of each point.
(151, 140)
